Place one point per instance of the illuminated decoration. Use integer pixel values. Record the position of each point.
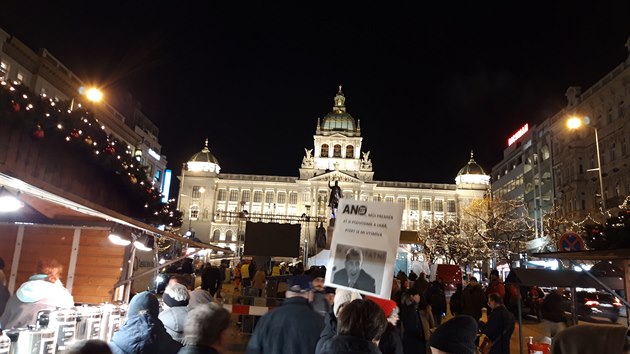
(519, 133)
(45, 118)
(166, 186)
(154, 154)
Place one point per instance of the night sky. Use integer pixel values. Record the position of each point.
(429, 82)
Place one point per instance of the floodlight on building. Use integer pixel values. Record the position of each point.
(9, 202)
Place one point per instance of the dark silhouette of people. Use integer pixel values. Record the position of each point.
(352, 275)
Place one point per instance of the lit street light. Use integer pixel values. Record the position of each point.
(575, 123)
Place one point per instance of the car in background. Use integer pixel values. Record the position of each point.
(594, 304)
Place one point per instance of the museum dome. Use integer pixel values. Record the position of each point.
(472, 174)
(204, 161)
(339, 119)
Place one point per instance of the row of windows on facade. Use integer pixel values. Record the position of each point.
(529, 161)
(336, 151)
(281, 198)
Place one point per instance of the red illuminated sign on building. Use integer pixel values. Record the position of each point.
(519, 133)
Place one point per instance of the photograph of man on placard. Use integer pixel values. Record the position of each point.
(359, 268)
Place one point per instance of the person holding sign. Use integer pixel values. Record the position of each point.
(352, 275)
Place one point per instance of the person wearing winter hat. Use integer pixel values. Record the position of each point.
(175, 300)
(293, 327)
(391, 341)
(143, 332)
(342, 297)
(455, 336)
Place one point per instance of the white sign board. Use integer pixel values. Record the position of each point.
(364, 246)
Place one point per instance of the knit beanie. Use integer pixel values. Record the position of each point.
(456, 335)
(176, 295)
(386, 304)
(343, 296)
(144, 301)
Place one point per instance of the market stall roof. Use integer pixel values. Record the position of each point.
(598, 255)
(46, 204)
(559, 278)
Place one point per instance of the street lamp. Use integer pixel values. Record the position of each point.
(575, 123)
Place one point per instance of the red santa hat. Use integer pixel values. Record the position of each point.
(386, 304)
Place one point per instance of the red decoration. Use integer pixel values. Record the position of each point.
(15, 106)
(110, 150)
(74, 133)
(38, 133)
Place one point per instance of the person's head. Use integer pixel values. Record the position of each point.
(144, 303)
(50, 267)
(411, 297)
(459, 287)
(91, 346)
(175, 295)
(208, 325)
(494, 274)
(363, 319)
(300, 286)
(495, 300)
(389, 307)
(422, 275)
(473, 281)
(199, 297)
(317, 276)
(455, 336)
(354, 259)
(342, 297)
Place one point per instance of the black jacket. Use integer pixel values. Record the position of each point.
(391, 342)
(329, 331)
(291, 328)
(413, 333)
(499, 330)
(473, 300)
(143, 334)
(552, 308)
(344, 344)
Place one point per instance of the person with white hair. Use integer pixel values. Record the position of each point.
(207, 330)
(175, 303)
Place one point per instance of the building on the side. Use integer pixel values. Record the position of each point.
(213, 200)
(554, 168)
(45, 75)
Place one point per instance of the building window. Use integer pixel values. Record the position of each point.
(389, 199)
(450, 206)
(194, 212)
(257, 196)
(609, 117)
(245, 196)
(269, 197)
(413, 204)
(583, 204)
(324, 150)
(282, 197)
(349, 152)
(229, 236)
(402, 201)
(306, 197)
(438, 205)
(19, 78)
(234, 195)
(337, 150)
(4, 68)
(348, 195)
(376, 198)
(222, 195)
(293, 196)
(426, 204)
(612, 152)
(216, 236)
(196, 193)
(205, 214)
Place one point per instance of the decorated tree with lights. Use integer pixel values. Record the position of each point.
(70, 125)
(498, 228)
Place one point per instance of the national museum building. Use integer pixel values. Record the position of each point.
(215, 204)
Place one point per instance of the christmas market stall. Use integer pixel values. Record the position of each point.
(73, 191)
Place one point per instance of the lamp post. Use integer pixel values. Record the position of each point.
(575, 123)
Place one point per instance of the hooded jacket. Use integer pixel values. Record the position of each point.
(34, 295)
(345, 344)
(174, 319)
(143, 332)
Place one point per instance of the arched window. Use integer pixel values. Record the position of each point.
(216, 235)
(324, 150)
(349, 152)
(229, 236)
(337, 150)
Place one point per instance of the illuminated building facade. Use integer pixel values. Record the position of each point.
(213, 200)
